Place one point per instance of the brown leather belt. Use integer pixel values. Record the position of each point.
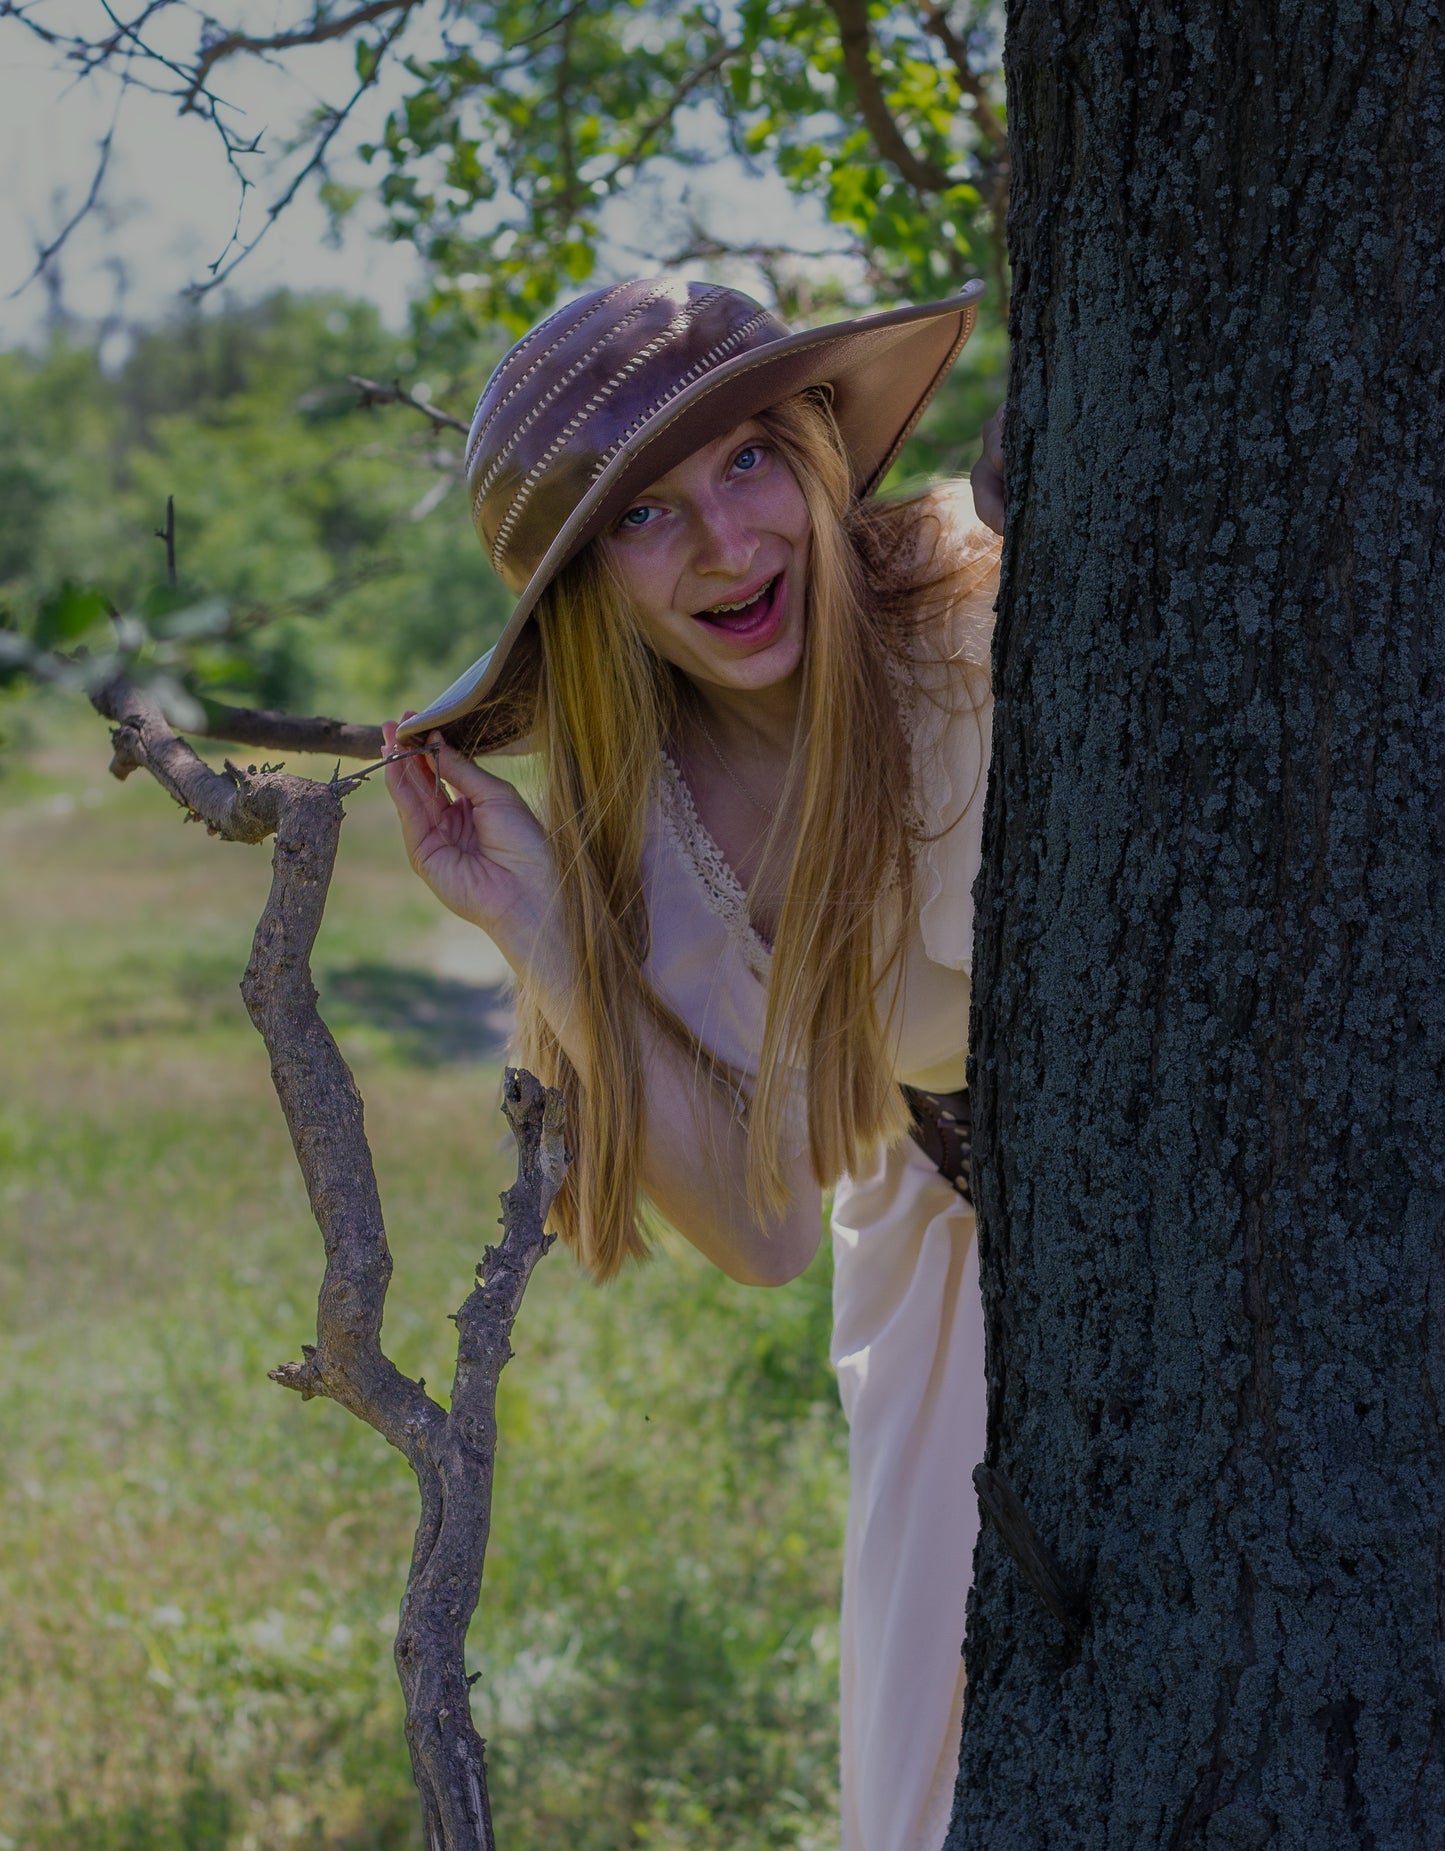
(942, 1128)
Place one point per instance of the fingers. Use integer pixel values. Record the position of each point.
(993, 440)
(464, 774)
(412, 782)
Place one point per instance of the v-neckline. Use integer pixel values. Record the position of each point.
(726, 896)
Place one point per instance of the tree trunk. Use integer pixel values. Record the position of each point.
(1210, 1016)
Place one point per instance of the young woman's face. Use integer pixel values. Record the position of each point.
(715, 558)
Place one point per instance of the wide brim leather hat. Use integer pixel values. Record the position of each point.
(618, 388)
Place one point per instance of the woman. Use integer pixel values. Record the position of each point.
(742, 929)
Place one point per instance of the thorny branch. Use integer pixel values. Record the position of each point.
(336, 120)
(451, 1452)
(322, 28)
(47, 253)
(289, 732)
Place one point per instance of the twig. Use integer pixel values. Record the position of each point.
(317, 33)
(655, 123)
(374, 393)
(221, 268)
(451, 1452)
(48, 252)
(168, 534)
(1021, 1539)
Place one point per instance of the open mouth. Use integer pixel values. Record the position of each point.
(744, 615)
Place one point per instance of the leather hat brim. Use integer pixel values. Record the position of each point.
(883, 370)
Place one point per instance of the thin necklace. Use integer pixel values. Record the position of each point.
(730, 774)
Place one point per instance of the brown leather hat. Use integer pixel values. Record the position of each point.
(616, 389)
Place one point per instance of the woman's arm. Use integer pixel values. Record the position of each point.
(485, 856)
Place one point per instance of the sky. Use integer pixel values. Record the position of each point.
(169, 202)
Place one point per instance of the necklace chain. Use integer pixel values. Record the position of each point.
(731, 775)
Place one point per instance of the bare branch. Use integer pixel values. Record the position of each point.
(681, 91)
(373, 393)
(452, 1453)
(856, 42)
(289, 732)
(445, 1582)
(985, 112)
(49, 252)
(142, 741)
(321, 29)
(128, 30)
(131, 30)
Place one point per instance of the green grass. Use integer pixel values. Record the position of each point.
(198, 1572)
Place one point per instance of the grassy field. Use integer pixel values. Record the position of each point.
(198, 1572)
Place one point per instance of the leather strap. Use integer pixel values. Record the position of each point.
(942, 1128)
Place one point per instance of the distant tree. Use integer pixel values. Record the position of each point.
(1209, 1030)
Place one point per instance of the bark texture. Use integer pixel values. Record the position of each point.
(451, 1450)
(1210, 998)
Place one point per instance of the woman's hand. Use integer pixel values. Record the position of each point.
(481, 851)
(987, 477)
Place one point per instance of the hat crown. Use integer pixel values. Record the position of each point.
(580, 386)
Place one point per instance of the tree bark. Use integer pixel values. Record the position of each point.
(1210, 992)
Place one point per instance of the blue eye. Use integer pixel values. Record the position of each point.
(748, 457)
(635, 518)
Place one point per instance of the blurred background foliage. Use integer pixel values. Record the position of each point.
(324, 558)
(322, 550)
(198, 1578)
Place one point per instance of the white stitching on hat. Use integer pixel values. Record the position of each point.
(969, 317)
(538, 360)
(523, 495)
(708, 361)
(557, 387)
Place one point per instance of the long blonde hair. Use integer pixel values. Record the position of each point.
(601, 709)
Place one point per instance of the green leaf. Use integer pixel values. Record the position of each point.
(69, 614)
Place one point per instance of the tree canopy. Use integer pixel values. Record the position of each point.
(508, 138)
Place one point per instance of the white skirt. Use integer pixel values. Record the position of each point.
(908, 1348)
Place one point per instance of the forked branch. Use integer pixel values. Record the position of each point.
(452, 1452)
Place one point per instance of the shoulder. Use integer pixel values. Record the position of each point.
(944, 567)
(944, 529)
(956, 551)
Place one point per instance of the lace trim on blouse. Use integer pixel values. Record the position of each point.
(723, 891)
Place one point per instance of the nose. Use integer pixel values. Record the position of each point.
(726, 541)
